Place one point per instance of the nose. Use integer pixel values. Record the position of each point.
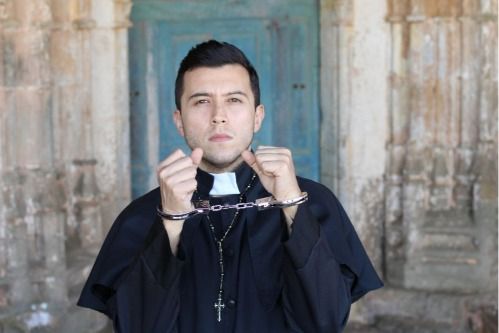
(219, 115)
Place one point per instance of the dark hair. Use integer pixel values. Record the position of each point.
(213, 53)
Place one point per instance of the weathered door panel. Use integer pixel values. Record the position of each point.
(279, 39)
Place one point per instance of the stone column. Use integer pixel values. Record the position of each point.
(32, 198)
(354, 90)
(64, 160)
(441, 221)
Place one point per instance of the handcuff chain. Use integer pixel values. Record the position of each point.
(238, 206)
(203, 206)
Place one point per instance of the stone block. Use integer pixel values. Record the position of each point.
(399, 310)
(418, 164)
(13, 203)
(2, 60)
(26, 58)
(79, 320)
(471, 7)
(8, 18)
(483, 319)
(65, 57)
(366, 214)
(9, 58)
(393, 205)
(33, 116)
(488, 80)
(18, 266)
(489, 8)
(485, 190)
(447, 91)
(396, 163)
(63, 11)
(446, 260)
(71, 139)
(7, 128)
(470, 68)
(90, 225)
(398, 8)
(34, 13)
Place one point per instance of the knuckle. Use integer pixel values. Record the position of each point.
(162, 174)
(168, 181)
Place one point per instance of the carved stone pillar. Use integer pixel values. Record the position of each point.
(440, 224)
(433, 239)
(63, 154)
(354, 88)
(32, 213)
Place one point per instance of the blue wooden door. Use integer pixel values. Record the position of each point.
(279, 37)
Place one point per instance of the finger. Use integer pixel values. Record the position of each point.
(272, 168)
(250, 159)
(175, 166)
(263, 157)
(197, 155)
(179, 176)
(186, 187)
(272, 150)
(177, 154)
(182, 162)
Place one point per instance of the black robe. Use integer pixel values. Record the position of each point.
(273, 283)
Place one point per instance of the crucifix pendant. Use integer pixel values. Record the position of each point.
(219, 305)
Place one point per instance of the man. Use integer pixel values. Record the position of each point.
(173, 264)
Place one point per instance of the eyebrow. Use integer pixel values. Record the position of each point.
(205, 94)
(199, 94)
(236, 92)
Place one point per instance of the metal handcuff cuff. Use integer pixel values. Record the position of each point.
(203, 206)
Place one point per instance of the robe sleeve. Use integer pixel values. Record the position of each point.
(326, 269)
(135, 278)
(146, 299)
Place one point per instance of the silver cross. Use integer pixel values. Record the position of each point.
(219, 305)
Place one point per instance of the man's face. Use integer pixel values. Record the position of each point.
(218, 115)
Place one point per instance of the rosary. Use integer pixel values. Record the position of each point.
(220, 305)
(203, 207)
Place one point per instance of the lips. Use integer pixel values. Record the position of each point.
(220, 137)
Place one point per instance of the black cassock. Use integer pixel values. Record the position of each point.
(272, 282)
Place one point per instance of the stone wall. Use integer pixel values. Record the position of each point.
(63, 153)
(408, 142)
(440, 182)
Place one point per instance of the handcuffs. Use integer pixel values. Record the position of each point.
(203, 207)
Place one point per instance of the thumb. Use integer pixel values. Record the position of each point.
(250, 159)
(197, 155)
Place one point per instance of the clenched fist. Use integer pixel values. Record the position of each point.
(177, 182)
(274, 166)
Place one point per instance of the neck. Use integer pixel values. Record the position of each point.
(213, 168)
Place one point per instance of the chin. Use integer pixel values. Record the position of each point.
(222, 161)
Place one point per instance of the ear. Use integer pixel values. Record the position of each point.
(177, 119)
(259, 115)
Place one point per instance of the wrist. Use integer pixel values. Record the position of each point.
(175, 215)
(288, 193)
(290, 213)
(173, 230)
(173, 227)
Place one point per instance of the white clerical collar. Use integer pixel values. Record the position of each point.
(224, 184)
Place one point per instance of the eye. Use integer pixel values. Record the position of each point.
(235, 100)
(201, 101)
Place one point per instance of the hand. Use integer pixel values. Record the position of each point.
(177, 180)
(274, 166)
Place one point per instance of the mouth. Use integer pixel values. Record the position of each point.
(220, 137)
